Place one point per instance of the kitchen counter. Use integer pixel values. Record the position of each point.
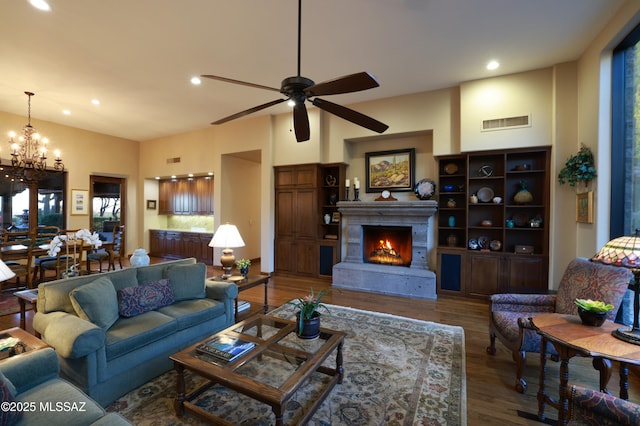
(178, 244)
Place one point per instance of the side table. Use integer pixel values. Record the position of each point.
(571, 338)
(248, 282)
(24, 297)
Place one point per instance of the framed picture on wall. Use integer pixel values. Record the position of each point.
(584, 207)
(151, 204)
(391, 170)
(79, 202)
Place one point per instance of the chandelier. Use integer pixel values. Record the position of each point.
(29, 153)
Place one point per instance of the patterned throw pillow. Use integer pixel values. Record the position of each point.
(135, 300)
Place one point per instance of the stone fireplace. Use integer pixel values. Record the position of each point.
(387, 248)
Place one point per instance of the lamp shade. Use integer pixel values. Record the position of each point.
(621, 251)
(5, 272)
(227, 236)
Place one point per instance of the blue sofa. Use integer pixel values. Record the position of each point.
(36, 395)
(115, 331)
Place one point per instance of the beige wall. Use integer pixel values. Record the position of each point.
(86, 153)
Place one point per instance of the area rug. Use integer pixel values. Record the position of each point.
(398, 371)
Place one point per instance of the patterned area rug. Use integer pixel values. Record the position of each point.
(398, 371)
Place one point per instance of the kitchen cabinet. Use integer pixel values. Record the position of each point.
(188, 196)
(173, 244)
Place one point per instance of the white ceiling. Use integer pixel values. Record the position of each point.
(137, 56)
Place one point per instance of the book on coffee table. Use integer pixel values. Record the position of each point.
(225, 347)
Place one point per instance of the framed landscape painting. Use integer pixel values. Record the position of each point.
(391, 170)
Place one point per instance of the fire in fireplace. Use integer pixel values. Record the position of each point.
(387, 245)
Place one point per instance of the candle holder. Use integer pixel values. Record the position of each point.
(346, 194)
(356, 194)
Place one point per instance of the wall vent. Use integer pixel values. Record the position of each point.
(506, 123)
(173, 160)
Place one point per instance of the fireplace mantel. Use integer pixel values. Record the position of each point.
(423, 209)
(415, 280)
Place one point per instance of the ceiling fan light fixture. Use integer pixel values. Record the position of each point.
(291, 103)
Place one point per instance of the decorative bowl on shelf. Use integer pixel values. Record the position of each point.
(591, 318)
(485, 194)
(450, 168)
(486, 223)
(448, 188)
(425, 189)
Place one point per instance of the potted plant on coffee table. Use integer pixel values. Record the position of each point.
(308, 317)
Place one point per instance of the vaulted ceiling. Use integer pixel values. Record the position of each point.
(137, 57)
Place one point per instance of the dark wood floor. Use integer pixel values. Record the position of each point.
(491, 398)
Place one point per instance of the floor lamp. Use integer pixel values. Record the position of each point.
(625, 252)
(227, 237)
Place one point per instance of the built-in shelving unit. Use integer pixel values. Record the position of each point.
(493, 243)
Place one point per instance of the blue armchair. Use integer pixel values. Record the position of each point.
(31, 381)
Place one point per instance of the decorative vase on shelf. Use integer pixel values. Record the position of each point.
(451, 203)
(308, 328)
(327, 218)
(140, 258)
(523, 196)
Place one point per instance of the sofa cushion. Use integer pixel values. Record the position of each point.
(60, 395)
(189, 313)
(8, 394)
(129, 334)
(187, 280)
(135, 300)
(146, 275)
(96, 302)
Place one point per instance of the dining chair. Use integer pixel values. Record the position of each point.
(99, 255)
(17, 255)
(116, 251)
(70, 255)
(591, 407)
(44, 235)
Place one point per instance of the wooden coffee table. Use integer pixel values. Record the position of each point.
(28, 342)
(276, 347)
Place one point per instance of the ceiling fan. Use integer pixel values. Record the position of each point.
(300, 89)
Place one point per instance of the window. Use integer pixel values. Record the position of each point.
(625, 141)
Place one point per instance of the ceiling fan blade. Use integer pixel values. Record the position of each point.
(243, 83)
(346, 84)
(301, 122)
(248, 111)
(351, 115)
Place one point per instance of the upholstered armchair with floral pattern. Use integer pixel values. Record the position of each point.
(510, 313)
(590, 407)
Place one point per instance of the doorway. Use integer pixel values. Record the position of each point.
(108, 195)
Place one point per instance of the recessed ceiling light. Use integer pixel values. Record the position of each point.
(157, 177)
(190, 174)
(492, 65)
(40, 4)
(66, 112)
(95, 101)
(210, 173)
(195, 81)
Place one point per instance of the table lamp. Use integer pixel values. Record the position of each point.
(226, 237)
(625, 252)
(5, 272)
